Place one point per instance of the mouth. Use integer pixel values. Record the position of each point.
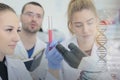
(85, 36)
(33, 26)
(12, 46)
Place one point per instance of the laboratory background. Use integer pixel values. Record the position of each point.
(108, 10)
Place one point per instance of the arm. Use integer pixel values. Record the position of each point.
(55, 73)
(54, 60)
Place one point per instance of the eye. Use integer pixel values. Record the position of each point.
(30, 14)
(78, 25)
(90, 22)
(9, 30)
(18, 30)
(39, 16)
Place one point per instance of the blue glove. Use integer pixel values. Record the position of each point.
(53, 56)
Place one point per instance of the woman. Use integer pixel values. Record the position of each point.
(82, 23)
(10, 69)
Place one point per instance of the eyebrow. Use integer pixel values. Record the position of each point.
(86, 21)
(32, 12)
(89, 19)
(77, 22)
(9, 26)
(12, 26)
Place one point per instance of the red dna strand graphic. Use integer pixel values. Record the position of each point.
(101, 40)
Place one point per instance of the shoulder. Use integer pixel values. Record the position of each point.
(16, 63)
(40, 42)
(17, 67)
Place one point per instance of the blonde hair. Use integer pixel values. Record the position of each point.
(79, 5)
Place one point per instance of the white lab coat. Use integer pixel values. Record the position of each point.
(16, 70)
(87, 63)
(21, 53)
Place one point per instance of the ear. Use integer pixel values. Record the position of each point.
(70, 28)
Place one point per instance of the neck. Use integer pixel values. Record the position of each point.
(28, 39)
(86, 46)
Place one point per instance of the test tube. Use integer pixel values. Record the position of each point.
(50, 29)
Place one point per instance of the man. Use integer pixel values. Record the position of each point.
(31, 19)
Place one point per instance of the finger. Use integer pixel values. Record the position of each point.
(47, 49)
(50, 53)
(55, 42)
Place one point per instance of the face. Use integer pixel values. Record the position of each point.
(32, 18)
(9, 27)
(83, 25)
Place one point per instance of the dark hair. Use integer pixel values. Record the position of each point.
(33, 3)
(5, 7)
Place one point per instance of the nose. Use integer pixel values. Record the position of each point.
(85, 29)
(34, 17)
(16, 37)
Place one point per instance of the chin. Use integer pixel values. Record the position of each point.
(11, 52)
(89, 39)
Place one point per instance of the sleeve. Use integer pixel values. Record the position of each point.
(49, 76)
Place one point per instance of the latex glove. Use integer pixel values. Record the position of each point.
(72, 57)
(53, 56)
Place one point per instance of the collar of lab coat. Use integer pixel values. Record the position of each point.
(12, 68)
(9, 62)
(94, 49)
(39, 45)
(88, 63)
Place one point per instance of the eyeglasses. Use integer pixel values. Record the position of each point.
(31, 14)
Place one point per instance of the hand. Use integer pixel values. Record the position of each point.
(53, 56)
(72, 57)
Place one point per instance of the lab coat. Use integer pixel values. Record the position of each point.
(16, 70)
(87, 63)
(20, 52)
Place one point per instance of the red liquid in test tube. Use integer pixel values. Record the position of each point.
(50, 29)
